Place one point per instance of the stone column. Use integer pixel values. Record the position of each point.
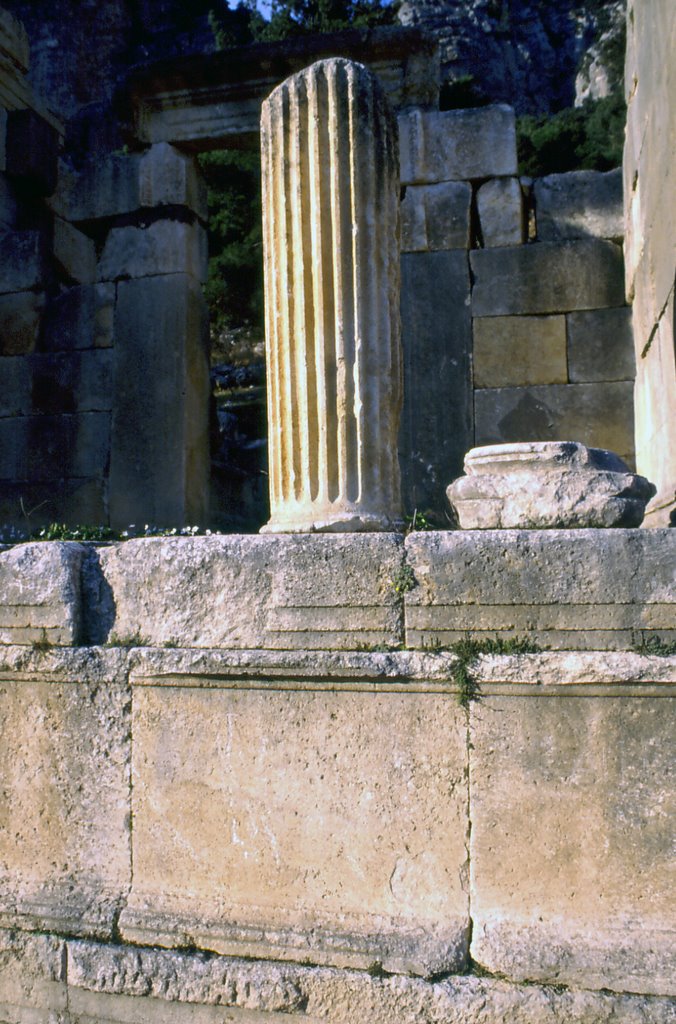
(331, 242)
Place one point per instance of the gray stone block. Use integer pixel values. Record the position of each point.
(547, 277)
(13, 445)
(519, 350)
(501, 213)
(72, 445)
(579, 204)
(32, 150)
(72, 381)
(165, 247)
(598, 415)
(452, 145)
(601, 345)
(20, 318)
(74, 252)
(566, 589)
(436, 217)
(160, 444)
(80, 318)
(8, 203)
(40, 594)
(284, 592)
(15, 386)
(22, 260)
(436, 428)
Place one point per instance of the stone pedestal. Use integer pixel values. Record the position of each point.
(331, 242)
(547, 485)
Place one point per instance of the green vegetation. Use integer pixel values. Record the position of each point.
(95, 534)
(291, 18)
(404, 580)
(652, 643)
(589, 137)
(468, 650)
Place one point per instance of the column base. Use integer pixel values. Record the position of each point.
(341, 522)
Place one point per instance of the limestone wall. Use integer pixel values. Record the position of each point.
(216, 807)
(650, 213)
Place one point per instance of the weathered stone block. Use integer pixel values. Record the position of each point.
(71, 381)
(547, 278)
(13, 443)
(436, 337)
(579, 204)
(303, 882)
(456, 144)
(32, 150)
(8, 201)
(74, 252)
(160, 445)
(69, 445)
(15, 386)
(165, 247)
(598, 415)
(40, 594)
(22, 260)
(512, 350)
(80, 317)
(570, 854)
(566, 589)
(501, 213)
(32, 980)
(167, 177)
(65, 768)
(547, 485)
(436, 217)
(20, 315)
(316, 592)
(601, 345)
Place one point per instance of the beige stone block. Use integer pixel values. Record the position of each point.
(165, 247)
(579, 204)
(263, 787)
(570, 857)
(519, 350)
(20, 318)
(64, 812)
(32, 978)
(251, 592)
(501, 214)
(549, 277)
(599, 415)
(452, 145)
(40, 593)
(436, 217)
(552, 585)
(74, 252)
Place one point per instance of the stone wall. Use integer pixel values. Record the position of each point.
(649, 155)
(215, 806)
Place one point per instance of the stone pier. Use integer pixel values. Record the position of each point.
(331, 241)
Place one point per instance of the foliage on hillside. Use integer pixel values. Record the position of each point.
(589, 137)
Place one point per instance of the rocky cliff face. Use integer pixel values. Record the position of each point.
(537, 56)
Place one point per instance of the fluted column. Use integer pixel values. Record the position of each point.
(331, 241)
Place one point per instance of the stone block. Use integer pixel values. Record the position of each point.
(280, 776)
(164, 247)
(547, 485)
(599, 415)
(315, 592)
(40, 594)
(519, 350)
(436, 217)
(74, 252)
(579, 204)
(14, 41)
(52, 447)
(15, 386)
(601, 345)
(79, 318)
(8, 201)
(3, 139)
(501, 212)
(570, 851)
(22, 261)
(64, 847)
(565, 589)
(67, 382)
(168, 177)
(32, 980)
(547, 277)
(159, 459)
(174, 987)
(436, 427)
(20, 318)
(32, 150)
(13, 445)
(452, 145)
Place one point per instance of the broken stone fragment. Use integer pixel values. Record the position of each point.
(547, 485)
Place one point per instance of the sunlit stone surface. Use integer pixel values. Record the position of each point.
(331, 240)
